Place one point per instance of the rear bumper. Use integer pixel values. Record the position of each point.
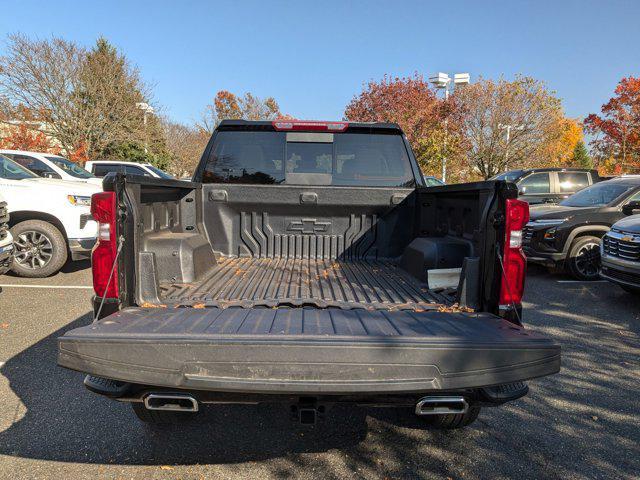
(476, 352)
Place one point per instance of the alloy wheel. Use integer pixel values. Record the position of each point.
(587, 260)
(34, 250)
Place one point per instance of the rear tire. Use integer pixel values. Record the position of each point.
(40, 249)
(583, 260)
(160, 417)
(452, 421)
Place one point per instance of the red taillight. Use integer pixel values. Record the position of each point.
(292, 125)
(515, 263)
(103, 210)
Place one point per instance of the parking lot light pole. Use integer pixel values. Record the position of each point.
(146, 108)
(442, 81)
(508, 128)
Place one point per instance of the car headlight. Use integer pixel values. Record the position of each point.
(550, 234)
(79, 200)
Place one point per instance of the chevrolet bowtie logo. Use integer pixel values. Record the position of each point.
(627, 238)
(308, 225)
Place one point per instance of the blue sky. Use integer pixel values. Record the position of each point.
(314, 56)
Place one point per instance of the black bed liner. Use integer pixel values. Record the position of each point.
(307, 350)
(271, 282)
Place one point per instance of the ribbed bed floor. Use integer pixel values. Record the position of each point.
(249, 282)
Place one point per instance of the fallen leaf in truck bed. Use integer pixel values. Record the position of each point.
(455, 308)
(152, 305)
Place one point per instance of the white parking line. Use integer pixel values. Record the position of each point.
(82, 287)
(582, 281)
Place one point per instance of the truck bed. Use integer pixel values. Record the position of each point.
(322, 283)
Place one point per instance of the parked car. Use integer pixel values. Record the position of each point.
(101, 167)
(620, 254)
(51, 166)
(50, 219)
(6, 239)
(300, 273)
(549, 185)
(567, 236)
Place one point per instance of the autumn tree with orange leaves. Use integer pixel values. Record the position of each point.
(540, 134)
(21, 137)
(227, 105)
(617, 129)
(412, 103)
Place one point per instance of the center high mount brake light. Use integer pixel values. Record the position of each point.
(308, 125)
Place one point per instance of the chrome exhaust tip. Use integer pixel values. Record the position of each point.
(173, 402)
(441, 405)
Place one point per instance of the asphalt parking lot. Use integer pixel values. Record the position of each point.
(582, 423)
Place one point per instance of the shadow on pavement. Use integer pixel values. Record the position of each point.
(69, 267)
(582, 422)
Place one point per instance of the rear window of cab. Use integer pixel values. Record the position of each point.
(309, 158)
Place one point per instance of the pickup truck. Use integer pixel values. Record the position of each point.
(100, 168)
(50, 220)
(549, 185)
(304, 265)
(47, 165)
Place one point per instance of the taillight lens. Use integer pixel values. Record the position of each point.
(103, 210)
(515, 262)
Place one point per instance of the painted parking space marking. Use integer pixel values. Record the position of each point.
(582, 281)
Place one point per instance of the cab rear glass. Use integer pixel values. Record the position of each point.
(309, 158)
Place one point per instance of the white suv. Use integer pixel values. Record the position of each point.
(47, 165)
(50, 219)
(6, 240)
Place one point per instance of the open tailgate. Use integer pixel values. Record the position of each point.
(298, 350)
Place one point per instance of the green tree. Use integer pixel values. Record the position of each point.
(581, 157)
(83, 99)
(136, 152)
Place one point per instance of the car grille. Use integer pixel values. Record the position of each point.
(622, 245)
(527, 234)
(4, 220)
(622, 276)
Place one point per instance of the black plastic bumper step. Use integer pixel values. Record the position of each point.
(506, 392)
(104, 386)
